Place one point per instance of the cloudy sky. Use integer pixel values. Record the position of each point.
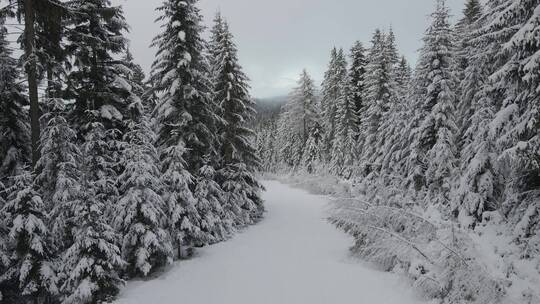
(278, 38)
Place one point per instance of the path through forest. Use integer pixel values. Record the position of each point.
(292, 257)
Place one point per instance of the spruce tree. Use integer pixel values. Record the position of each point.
(357, 73)
(183, 218)
(434, 145)
(30, 262)
(305, 97)
(346, 125)
(91, 264)
(136, 78)
(216, 223)
(298, 121)
(480, 180)
(516, 124)
(239, 155)
(141, 211)
(466, 35)
(14, 128)
(186, 113)
(329, 95)
(379, 94)
(97, 81)
(181, 75)
(393, 142)
(58, 178)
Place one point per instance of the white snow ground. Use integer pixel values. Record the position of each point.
(292, 257)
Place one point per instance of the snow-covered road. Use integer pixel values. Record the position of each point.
(292, 257)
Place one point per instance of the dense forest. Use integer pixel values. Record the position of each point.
(109, 175)
(439, 157)
(106, 174)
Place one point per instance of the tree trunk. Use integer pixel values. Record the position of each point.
(29, 17)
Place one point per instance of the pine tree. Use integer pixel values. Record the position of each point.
(30, 265)
(216, 36)
(183, 219)
(392, 143)
(186, 111)
(516, 124)
(215, 222)
(346, 125)
(480, 180)
(329, 95)
(305, 96)
(239, 155)
(104, 97)
(379, 94)
(136, 78)
(141, 216)
(14, 128)
(187, 114)
(434, 145)
(58, 180)
(98, 83)
(466, 47)
(403, 74)
(91, 265)
(357, 73)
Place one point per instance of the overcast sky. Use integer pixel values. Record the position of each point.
(278, 38)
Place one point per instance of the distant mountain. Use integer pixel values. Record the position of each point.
(269, 107)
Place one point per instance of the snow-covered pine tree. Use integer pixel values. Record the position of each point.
(303, 106)
(187, 115)
(14, 128)
(58, 178)
(391, 52)
(103, 96)
(390, 65)
(329, 95)
(216, 35)
(346, 125)
(91, 264)
(465, 32)
(378, 96)
(267, 145)
(183, 218)
(290, 147)
(357, 73)
(393, 143)
(181, 76)
(305, 97)
(240, 160)
(298, 115)
(312, 156)
(30, 266)
(480, 182)
(434, 145)
(216, 223)
(136, 78)
(97, 81)
(141, 211)
(517, 123)
(403, 73)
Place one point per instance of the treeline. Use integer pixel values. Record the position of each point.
(105, 174)
(458, 136)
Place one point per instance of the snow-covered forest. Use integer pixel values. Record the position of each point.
(435, 169)
(109, 175)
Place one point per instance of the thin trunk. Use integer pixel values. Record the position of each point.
(29, 18)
